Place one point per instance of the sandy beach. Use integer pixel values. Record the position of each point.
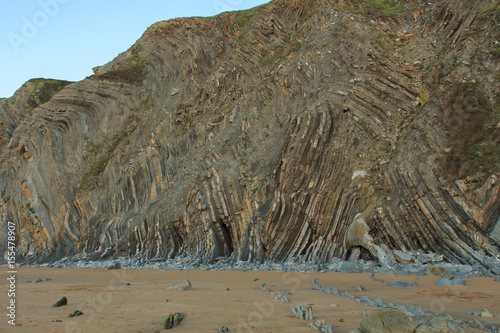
(221, 298)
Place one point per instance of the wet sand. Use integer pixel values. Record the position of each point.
(109, 306)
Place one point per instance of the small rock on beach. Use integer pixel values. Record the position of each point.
(173, 320)
(61, 302)
(76, 313)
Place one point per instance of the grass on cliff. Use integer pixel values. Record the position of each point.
(379, 8)
(46, 90)
(131, 70)
(90, 177)
(491, 16)
(280, 54)
(243, 16)
(471, 132)
(491, 13)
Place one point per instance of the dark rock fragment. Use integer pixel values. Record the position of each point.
(76, 313)
(61, 302)
(174, 319)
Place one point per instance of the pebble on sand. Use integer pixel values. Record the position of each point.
(76, 313)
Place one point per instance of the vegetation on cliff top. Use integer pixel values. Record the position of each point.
(47, 88)
(379, 8)
(130, 70)
(243, 16)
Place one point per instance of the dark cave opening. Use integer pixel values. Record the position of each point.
(228, 240)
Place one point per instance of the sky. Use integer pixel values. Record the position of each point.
(65, 39)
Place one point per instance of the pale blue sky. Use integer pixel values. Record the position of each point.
(64, 39)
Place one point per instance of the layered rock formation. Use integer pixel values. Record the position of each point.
(262, 134)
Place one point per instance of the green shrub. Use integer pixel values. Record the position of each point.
(93, 147)
(491, 13)
(131, 70)
(280, 54)
(294, 47)
(45, 91)
(138, 48)
(380, 8)
(243, 16)
(473, 141)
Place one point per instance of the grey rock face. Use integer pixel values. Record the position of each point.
(350, 267)
(261, 142)
(495, 233)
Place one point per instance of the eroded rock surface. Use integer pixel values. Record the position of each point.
(262, 134)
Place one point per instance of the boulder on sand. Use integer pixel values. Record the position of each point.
(402, 257)
(174, 319)
(388, 320)
(302, 313)
(358, 234)
(61, 302)
(183, 286)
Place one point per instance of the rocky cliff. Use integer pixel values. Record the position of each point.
(262, 134)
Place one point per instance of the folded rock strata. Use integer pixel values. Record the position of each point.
(262, 134)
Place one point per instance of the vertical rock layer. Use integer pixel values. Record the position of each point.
(263, 133)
